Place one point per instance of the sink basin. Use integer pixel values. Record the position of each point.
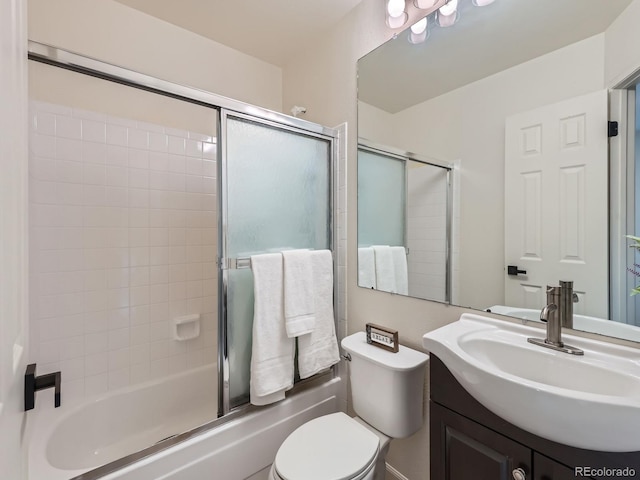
(590, 401)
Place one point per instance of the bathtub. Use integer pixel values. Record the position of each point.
(68, 443)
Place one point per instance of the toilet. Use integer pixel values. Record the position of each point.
(387, 394)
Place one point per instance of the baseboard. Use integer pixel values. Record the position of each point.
(393, 474)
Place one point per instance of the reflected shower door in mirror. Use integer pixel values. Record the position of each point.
(527, 120)
(404, 223)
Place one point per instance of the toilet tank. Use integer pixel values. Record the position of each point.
(387, 389)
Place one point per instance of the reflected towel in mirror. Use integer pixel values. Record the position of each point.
(366, 267)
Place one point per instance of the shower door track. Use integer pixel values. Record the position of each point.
(58, 57)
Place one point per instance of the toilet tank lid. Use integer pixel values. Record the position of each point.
(405, 359)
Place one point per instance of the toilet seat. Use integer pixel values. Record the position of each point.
(332, 447)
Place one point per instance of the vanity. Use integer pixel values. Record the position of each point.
(573, 424)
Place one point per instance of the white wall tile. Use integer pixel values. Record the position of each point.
(67, 149)
(117, 135)
(96, 384)
(89, 115)
(45, 123)
(117, 155)
(110, 255)
(138, 139)
(69, 171)
(94, 152)
(43, 145)
(177, 145)
(93, 131)
(68, 127)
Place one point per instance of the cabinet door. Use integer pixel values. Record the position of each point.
(462, 449)
(545, 468)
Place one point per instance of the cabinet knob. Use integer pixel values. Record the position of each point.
(519, 474)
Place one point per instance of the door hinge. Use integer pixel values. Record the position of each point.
(613, 129)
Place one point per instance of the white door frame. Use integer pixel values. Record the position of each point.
(622, 191)
(13, 237)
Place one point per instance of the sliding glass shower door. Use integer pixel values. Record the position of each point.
(276, 184)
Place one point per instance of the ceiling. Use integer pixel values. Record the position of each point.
(484, 41)
(271, 30)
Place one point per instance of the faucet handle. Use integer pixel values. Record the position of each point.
(575, 298)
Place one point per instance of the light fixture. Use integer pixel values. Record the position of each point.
(444, 16)
(396, 16)
(425, 4)
(419, 31)
(448, 14)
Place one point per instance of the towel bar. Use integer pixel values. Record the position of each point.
(238, 263)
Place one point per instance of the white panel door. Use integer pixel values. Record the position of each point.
(556, 179)
(13, 237)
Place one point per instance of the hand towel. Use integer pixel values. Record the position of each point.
(366, 268)
(272, 351)
(299, 310)
(385, 274)
(399, 258)
(319, 349)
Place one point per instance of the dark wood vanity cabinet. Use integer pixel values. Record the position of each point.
(468, 442)
(462, 449)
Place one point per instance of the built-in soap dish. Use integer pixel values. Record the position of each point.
(186, 327)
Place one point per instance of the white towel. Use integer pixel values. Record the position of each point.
(366, 268)
(385, 273)
(399, 256)
(272, 351)
(299, 310)
(319, 350)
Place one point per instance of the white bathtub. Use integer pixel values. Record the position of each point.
(68, 443)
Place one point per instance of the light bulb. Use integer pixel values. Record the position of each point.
(448, 8)
(395, 8)
(482, 3)
(397, 22)
(416, 38)
(424, 4)
(448, 14)
(420, 26)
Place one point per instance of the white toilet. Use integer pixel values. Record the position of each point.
(387, 393)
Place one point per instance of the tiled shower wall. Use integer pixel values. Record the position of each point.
(426, 232)
(123, 239)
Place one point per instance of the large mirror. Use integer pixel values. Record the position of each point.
(513, 99)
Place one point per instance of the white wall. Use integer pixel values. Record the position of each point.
(118, 34)
(13, 238)
(622, 57)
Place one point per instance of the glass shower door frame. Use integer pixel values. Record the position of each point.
(65, 59)
(401, 155)
(225, 263)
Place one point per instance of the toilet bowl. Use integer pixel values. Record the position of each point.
(331, 447)
(387, 393)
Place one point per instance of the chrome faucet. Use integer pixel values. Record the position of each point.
(552, 315)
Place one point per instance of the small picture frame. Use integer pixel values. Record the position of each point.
(383, 337)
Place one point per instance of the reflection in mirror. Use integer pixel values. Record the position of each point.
(523, 112)
(404, 224)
